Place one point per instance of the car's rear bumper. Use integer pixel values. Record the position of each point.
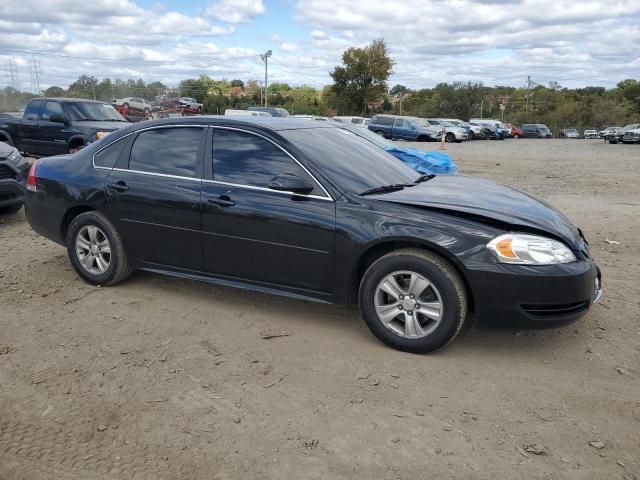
(542, 293)
(11, 193)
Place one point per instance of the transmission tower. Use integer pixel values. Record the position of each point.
(13, 73)
(36, 73)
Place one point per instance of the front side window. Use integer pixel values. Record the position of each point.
(169, 151)
(245, 159)
(398, 123)
(51, 108)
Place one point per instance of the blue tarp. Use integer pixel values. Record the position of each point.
(425, 162)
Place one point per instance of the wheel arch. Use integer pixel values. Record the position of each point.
(68, 217)
(377, 250)
(7, 138)
(76, 141)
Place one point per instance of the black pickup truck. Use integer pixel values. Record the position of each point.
(56, 126)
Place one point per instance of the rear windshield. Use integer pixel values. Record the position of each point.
(352, 163)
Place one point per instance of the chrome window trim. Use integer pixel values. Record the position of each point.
(265, 189)
(93, 157)
(327, 197)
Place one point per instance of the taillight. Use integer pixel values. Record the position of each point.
(31, 180)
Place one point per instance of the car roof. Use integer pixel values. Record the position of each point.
(272, 123)
(70, 99)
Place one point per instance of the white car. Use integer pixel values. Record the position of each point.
(452, 133)
(133, 103)
(191, 103)
(591, 134)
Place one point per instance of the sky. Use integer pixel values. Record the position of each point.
(498, 42)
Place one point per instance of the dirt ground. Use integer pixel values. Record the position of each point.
(160, 378)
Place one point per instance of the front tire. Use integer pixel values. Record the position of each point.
(96, 250)
(450, 137)
(413, 300)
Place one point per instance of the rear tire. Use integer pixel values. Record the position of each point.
(432, 281)
(99, 257)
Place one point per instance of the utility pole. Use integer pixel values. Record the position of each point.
(526, 107)
(13, 72)
(265, 58)
(401, 94)
(481, 107)
(261, 98)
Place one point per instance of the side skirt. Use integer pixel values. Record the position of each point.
(298, 294)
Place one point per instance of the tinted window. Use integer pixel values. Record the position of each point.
(108, 156)
(246, 159)
(383, 120)
(51, 108)
(398, 123)
(33, 110)
(171, 151)
(350, 161)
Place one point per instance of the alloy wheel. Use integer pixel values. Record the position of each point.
(93, 249)
(408, 304)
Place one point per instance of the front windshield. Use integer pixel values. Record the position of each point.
(447, 124)
(100, 112)
(631, 126)
(573, 130)
(353, 163)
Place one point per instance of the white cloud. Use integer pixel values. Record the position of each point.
(235, 11)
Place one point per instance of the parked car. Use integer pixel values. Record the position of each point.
(134, 103)
(54, 126)
(617, 136)
(631, 136)
(536, 130)
(274, 111)
(590, 134)
(607, 131)
(451, 132)
(481, 132)
(162, 102)
(458, 123)
(232, 112)
(497, 131)
(514, 131)
(306, 210)
(190, 103)
(13, 176)
(396, 127)
(569, 133)
(358, 121)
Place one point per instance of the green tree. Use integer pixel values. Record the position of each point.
(362, 77)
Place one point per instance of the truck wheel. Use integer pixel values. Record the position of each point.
(380, 132)
(413, 300)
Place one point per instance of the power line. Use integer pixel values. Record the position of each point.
(296, 72)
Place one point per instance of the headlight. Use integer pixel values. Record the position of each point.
(523, 249)
(99, 135)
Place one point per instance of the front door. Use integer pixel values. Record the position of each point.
(260, 235)
(154, 197)
(29, 127)
(54, 136)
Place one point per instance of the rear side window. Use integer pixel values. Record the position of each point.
(33, 110)
(169, 151)
(246, 159)
(108, 156)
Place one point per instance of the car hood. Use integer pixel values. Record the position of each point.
(488, 199)
(106, 126)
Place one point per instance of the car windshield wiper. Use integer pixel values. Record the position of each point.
(424, 178)
(386, 188)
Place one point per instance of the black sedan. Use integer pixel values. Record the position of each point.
(309, 210)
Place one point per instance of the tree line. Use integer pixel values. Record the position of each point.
(360, 88)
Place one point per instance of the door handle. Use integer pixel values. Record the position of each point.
(118, 186)
(222, 201)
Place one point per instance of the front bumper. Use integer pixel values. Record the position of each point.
(546, 293)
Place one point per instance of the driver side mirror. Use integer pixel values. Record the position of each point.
(288, 182)
(57, 118)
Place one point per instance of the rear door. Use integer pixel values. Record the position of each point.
(255, 234)
(30, 129)
(154, 196)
